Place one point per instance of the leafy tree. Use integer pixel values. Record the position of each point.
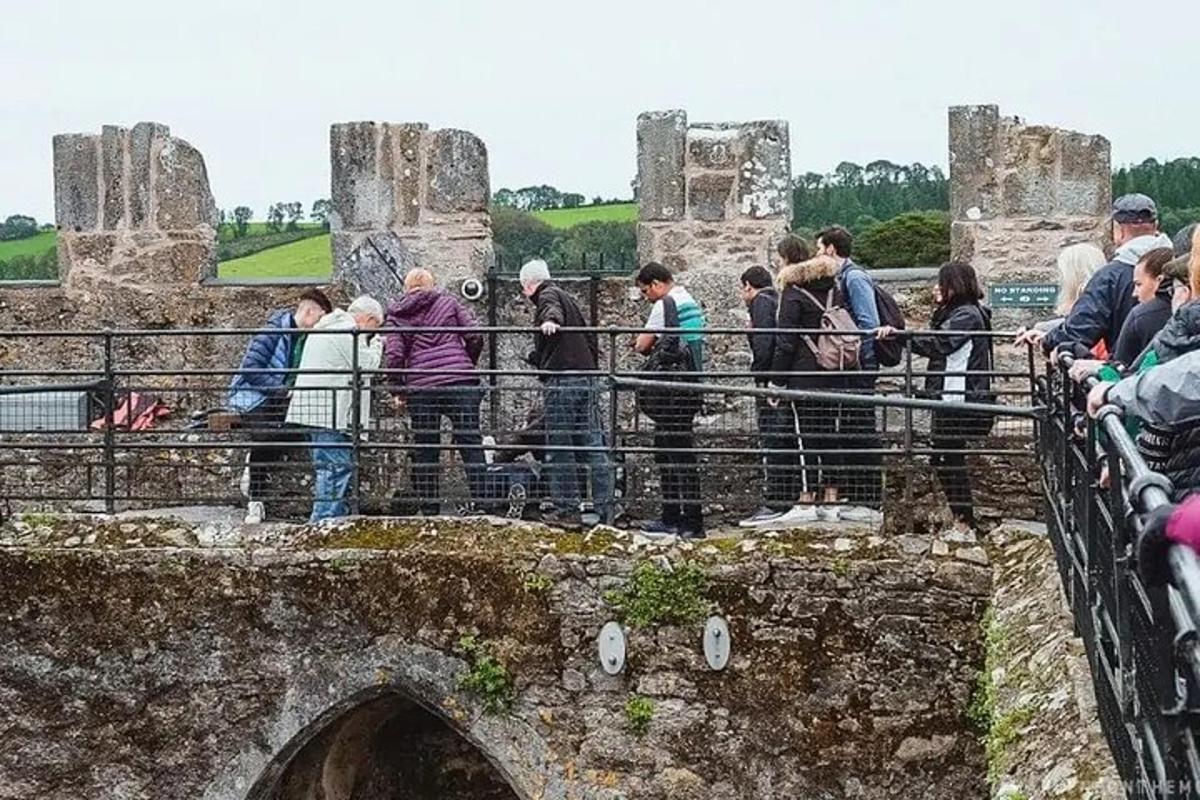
(18, 226)
(295, 213)
(275, 215)
(572, 200)
(321, 209)
(505, 197)
(590, 244)
(913, 239)
(241, 220)
(518, 235)
(538, 198)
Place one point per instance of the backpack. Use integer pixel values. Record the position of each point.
(888, 352)
(838, 347)
(669, 358)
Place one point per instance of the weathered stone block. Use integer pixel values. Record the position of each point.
(1031, 172)
(457, 172)
(376, 266)
(404, 145)
(765, 185)
(708, 196)
(182, 198)
(1085, 174)
(715, 146)
(362, 197)
(661, 147)
(975, 154)
(144, 139)
(113, 141)
(76, 182)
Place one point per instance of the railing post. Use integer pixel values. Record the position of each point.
(110, 450)
(355, 420)
(493, 357)
(612, 422)
(909, 459)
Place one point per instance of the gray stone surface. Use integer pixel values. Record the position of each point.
(139, 662)
(975, 155)
(77, 182)
(457, 171)
(113, 148)
(362, 195)
(405, 146)
(765, 184)
(661, 147)
(144, 140)
(182, 198)
(376, 267)
(708, 197)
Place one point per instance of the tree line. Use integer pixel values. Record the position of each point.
(543, 198)
(235, 223)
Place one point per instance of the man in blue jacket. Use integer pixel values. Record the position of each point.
(259, 390)
(1100, 311)
(862, 481)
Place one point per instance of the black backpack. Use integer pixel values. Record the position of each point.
(888, 352)
(670, 359)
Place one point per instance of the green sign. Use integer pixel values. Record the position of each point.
(1024, 295)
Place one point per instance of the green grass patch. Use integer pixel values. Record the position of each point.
(657, 596)
(33, 246)
(308, 258)
(639, 711)
(487, 678)
(569, 217)
(253, 229)
(249, 245)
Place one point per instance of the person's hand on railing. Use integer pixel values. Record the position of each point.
(1085, 368)
(773, 402)
(1097, 398)
(885, 332)
(1028, 336)
(549, 328)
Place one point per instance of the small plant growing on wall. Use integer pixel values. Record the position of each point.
(655, 595)
(639, 711)
(537, 583)
(486, 677)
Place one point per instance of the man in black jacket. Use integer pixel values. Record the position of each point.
(574, 430)
(776, 424)
(1100, 311)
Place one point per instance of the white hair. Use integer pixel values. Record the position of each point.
(536, 271)
(1076, 265)
(365, 304)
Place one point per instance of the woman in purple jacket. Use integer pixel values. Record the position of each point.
(436, 378)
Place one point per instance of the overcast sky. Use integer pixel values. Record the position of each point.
(554, 88)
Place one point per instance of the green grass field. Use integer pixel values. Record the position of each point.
(566, 217)
(307, 258)
(33, 246)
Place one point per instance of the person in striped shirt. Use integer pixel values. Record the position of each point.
(675, 439)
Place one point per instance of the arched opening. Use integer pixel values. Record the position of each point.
(384, 747)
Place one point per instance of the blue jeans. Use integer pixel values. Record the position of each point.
(426, 408)
(333, 468)
(573, 423)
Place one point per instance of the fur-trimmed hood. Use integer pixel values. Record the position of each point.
(815, 269)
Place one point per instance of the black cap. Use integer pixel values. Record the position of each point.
(1134, 208)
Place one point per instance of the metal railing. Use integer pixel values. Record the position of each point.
(1141, 640)
(197, 453)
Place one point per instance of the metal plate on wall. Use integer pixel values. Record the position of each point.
(716, 642)
(612, 648)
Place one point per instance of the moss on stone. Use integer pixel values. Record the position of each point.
(486, 677)
(654, 595)
(639, 712)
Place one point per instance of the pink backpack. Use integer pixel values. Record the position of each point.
(837, 348)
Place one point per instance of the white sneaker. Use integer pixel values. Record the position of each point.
(254, 512)
(763, 516)
(796, 515)
(861, 514)
(244, 482)
(489, 453)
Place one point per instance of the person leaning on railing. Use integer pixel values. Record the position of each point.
(959, 371)
(259, 391)
(322, 399)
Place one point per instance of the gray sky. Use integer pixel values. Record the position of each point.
(554, 88)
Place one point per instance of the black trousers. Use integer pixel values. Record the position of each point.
(862, 480)
(949, 440)
(781, 454)
(817, 426)
(426, 407)
(271, 442)
(679, 471)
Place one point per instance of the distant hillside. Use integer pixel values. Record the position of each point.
(307, 258)
(569, 217)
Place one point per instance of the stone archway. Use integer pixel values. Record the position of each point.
(382, 745)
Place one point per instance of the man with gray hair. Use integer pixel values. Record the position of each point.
(323, 400)
(567, 361)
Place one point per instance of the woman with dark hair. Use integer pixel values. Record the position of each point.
(960, 367)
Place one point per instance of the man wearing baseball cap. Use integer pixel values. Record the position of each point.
(1101, 310)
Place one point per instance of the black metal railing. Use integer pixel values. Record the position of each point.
(117, 455)
(1141, 640)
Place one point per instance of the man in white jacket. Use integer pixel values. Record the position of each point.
(322, 397)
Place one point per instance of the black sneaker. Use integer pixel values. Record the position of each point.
(562, 519)
(658, 526)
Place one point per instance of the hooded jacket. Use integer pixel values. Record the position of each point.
(1180, 335)
(566, 350)
(1141, 326)
(269, 350)
(960, 353)
(324, 400)
(799, 311)
(1100, 311)
(431, 357)
(763, 309)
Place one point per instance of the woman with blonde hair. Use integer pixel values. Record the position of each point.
(1076, 265)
